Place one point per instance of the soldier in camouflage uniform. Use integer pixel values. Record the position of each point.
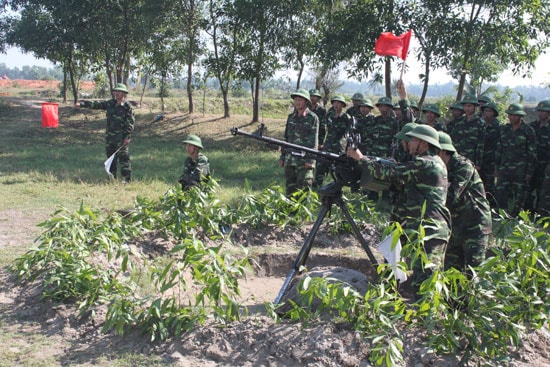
(431, 114)
(468, 133)
(415, 111)
(542, 132)
(302, 128)
(354, 110)
(363, 123)
(196, 168)
(457, 111)
(492, 141)
(544, 202)
(120, 125)
(514, 160)
(425, 182)
(337, 122)
(470, 210)
(318, 109)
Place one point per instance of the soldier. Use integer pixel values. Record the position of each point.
(337, 122)
(363, 123)
(318, 109)
(431, 114)
(542, 132)
(514, 160)
(120, 125)
(415, 110)
(470, 210)
(457, 111)
(354, 110)
(425, 182)
(468, 133)
(492, 141)
(196, 168)
(544, 202)
(302, 128)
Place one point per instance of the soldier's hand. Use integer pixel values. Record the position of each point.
(354, 153)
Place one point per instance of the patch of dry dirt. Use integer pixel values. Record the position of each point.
(255, 341)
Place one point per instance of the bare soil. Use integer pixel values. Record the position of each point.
(255, 341)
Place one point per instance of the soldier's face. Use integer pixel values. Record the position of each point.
(469, 108)
(416, 146)
(300, 103)
(365, 110)
(430, 116)
(191, 149)
(457, 112)
(314, 99)
(514, 119)
(488, 114)
(338, 106)
(383, 108)
(543, 115)
(118, 95)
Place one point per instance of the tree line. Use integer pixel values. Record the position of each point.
(251, 40)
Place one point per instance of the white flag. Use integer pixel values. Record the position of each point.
(392, 256)
(108, 163)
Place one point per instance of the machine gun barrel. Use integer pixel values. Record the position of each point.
(294, 149)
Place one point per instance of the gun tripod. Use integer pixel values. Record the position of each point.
(330, 194)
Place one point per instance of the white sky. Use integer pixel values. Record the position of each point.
(541, 75)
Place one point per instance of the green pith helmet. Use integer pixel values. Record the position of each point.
(516, 109)
(357, 97)
(446, 142)
(470, 98)
(301, 93)
(315, 92)
(492, 105)
(339, 98)
(543, 106)
(366, 102)
(414, 105)
(396, 106)
(484, 99)
(193, 140)
(425, 133)
(432, 108)
(456, 106)
(121, 87)
(402, 134)
(384, 100)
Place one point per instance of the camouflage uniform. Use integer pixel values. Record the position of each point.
(364, 123)
(544, 202)
(470, 213)
(195, 171)
(120, 125)
(355, 111)
(336, 128)
(469, 138)
(382, 132)
(301, 130)
(487, 168)
(425, 182)
(321, 112)
(543, 158)
(514, 160)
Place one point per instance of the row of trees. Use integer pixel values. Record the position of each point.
(251, 40)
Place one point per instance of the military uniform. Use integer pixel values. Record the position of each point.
(542, 132)
(470, 211)
(382, 133)
(195, 171)
(301, 129)
(363, 124)
(544, 202)
(120, 125)
(336, 127)
(492, 142)
(439, 126)
(355, 111)
(425, 182)
(515, 161)
(468, 134)
(321, 112)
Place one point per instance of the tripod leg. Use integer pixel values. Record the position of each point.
(357, 232)
(304, 251)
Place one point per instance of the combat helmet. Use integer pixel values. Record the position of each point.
(456, 106)
(366, 102)
(432, 108)
(543, 106)
(484, 99)
(446, 142)
(384, 100)
(121, 87)
(357, 97)
(339, 98)
(492, 105)
(470, 98)
(425, 133)
(402, 134)
(193, 140)
(414, 105)
(315, 92)
(303, 93)
(516, 109)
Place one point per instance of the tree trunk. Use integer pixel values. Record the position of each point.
(256, 106)
(461, 83)
(226, 112)
(300, 72)
(190, 87)
(426, 82)
(387, 76)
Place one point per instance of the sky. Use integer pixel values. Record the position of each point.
(541, 75)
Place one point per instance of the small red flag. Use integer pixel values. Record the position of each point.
(389, 45)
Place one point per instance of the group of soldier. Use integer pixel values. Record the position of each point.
(445, 175)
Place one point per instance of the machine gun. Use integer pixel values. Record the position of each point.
(345, 171)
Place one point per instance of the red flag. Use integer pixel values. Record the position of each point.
(389, 45)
